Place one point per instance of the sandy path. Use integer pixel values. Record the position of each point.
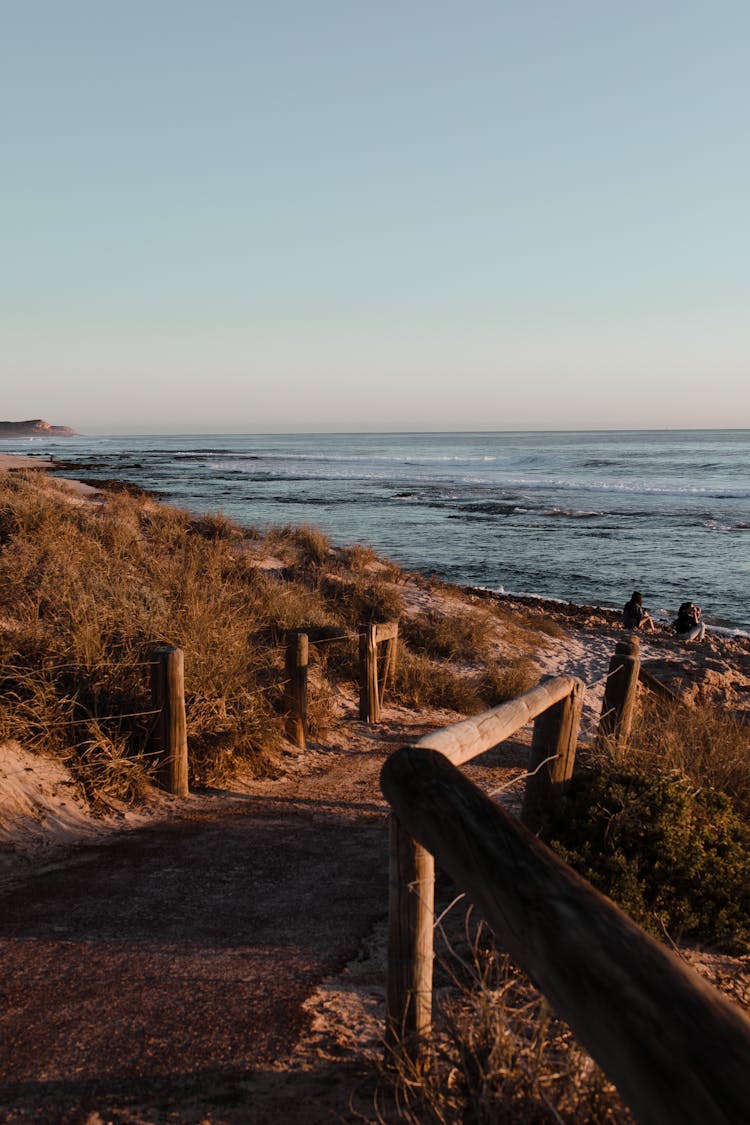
(587, 654)
(193, 970)
(176, 960)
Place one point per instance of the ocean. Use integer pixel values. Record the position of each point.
(583, 517)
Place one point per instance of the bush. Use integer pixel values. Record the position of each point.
(675, 857)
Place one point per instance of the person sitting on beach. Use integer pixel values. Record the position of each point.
(634, 616)
(688, 625)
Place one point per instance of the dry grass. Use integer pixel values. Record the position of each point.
(703, 744)
(465, 635)
(421, 682)
(363, 597)
(306, 547)
(497, 1053)
(87, 590)
(500, 682)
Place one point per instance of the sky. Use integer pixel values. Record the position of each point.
(326, 215)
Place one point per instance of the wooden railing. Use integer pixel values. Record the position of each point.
(678, 1051)
(168, 690)
(556, 705)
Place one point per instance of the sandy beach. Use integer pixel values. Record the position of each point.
(15, 462)
(10, 461)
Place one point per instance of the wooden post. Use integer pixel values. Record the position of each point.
(369, 698)
(620, 694)
(388, 665)
(555, 736)
(677, 1050)
(389, 635)
(410, 942)
(168, 695)
(295, 689)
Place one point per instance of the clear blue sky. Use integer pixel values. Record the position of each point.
(334, 214)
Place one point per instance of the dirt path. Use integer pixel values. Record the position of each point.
(179, 973)
(184, 951)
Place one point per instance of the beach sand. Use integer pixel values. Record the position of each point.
(15, 462)
(10, 461)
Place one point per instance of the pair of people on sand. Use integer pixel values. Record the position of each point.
(687, 626)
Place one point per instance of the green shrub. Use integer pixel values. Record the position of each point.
(705, 743)
(675, 857)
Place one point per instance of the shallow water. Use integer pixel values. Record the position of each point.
(586, 517)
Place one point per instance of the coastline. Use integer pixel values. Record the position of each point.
(573, 517)
(12, 461)
(18, 462)
(331, 786)
(581, 612)
(570, 638)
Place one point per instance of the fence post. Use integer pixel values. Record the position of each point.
(369, 697)
(620, 694)
(411, 893)
(295, 689)
(555, 736)
(168, 695)
(389, 663)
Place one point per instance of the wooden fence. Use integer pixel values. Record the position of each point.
(411, 866)
(168, 691)
(372, 681)
(678, 1051)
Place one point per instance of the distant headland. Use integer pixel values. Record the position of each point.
(34, 427)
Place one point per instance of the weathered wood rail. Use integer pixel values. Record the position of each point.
(676, 1048)
(372, 682)
(412, 870)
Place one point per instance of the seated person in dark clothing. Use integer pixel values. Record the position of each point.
(688, 625)
(634, 616)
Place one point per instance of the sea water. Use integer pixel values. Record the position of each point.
(584, 517)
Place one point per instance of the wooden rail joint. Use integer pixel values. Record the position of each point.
(372, 686)
(556, 705)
